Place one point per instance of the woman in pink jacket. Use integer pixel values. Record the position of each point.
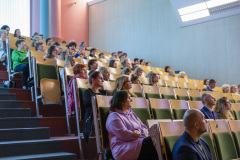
(128, 136)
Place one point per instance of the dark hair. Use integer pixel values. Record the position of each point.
(141, 60)
(166, 68)
(113, 53)
(93, 75)
(125, 54)
(90, 62)
(19, 41)
(35, 33)
(50, 50)
(205, 81)
(56, 44)
(48, 40)
(41, 35)
(72, 44)
(15, 32)
(21, 38)
(120, 52)
(64, 42)
(134, 78)
(4, 27)
(211, 81)
(135, 59)
(37, 45)
(111, 63)
(118, 99)
(101, 54)
(92, 50)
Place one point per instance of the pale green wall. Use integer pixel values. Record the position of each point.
(149, 29)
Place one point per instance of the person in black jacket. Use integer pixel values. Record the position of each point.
(96, 81)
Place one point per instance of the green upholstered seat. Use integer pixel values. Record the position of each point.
(195, 98)
(139, 94)
(186, 98)
(150, 95)
(164, 96)
(206, 136)
(225, 146)
(231, 100)
(178, 113)
(169, 143)
(236, 136)
(103, 113)
(46, 71)
(237, 114)
(162, 113)
(232, 112)
(143, 114)
(237, 101)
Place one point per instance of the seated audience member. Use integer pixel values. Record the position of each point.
(35, 34)
(42, 36)
(135, 62)
(56, 44)
(101, 56)
(6, 28)
(96, 81)
(64, 55)
(113, 64)
(128, 136)
(64, 42)
(70, 41)
(135, 79)
(148, 64)
(92, 65)
(149, 73)
(69, 62)
(135, 66)
(49, 41)
(167, 69)
(105, 73)
(190, 145)
(120, 53)
(126, 71)
(71, 48)
(125, 63)
(153, 79)
(123, 83)
(114, 56)
(182, 74)
(60, 50)
(239, 89)
(222, 108)
(234, 89)
(93, 53)
(172, 73)
(34, 40)
(209, 101)
(138, 72)
(225, 88)
(81, 52)
(79, 71)
(20, 65)
(40, 47)
(17, 33)
(142, 62)
(122, 57)
(52, 53)
(211, 86)
(206, 82)
(3, 47)
(125, 55)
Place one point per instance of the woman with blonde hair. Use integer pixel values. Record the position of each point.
(138, 71)
(153, 79)
(123, 83)
(234, 89)
(149, 73)
(126, 71)
(222, 108)
(69, 61)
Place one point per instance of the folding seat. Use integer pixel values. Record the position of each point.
(236, 110)
(144, 80)
(183, 80)
(167, 93)
(161, 108)
(60, 63)
(217, 95)
(201, 86)
(80, 61)
(229, 97)
(102, 64)
(174, 79)
(165, 73)
(108, 86)
(113, 77)
(46, 70)
(235, 128)
(218, 89)
(156, 70)
(179, 107)
(236, 98)
(164, 77)
(223, 139)
(146, 68)
(209, 92)
(183, 85)
(84, 61)
(68, 74)
(137, 90)
(151, 91)
(172, 84)
(114, 70)
(195, 95)
(182, 94)
(192, 84)
(162, 83)
(195, 104)
(199, 82)
(151, 122)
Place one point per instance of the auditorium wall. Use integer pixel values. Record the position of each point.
(149, 29)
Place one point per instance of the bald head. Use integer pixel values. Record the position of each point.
(190, 117)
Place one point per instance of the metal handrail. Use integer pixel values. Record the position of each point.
(35, 85)
(8, 60)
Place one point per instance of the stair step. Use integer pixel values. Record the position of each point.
(21, 94)
(22, 122)
(10, 104)
(19, 148)
(7, 96)
(15, 112)
(17, 134)
(47, 156)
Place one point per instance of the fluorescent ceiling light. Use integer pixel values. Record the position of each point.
(216, 3)
(195, 15)
(193, 8)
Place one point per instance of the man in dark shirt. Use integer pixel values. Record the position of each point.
(209, 101)
(190, 146)
(211, 86)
